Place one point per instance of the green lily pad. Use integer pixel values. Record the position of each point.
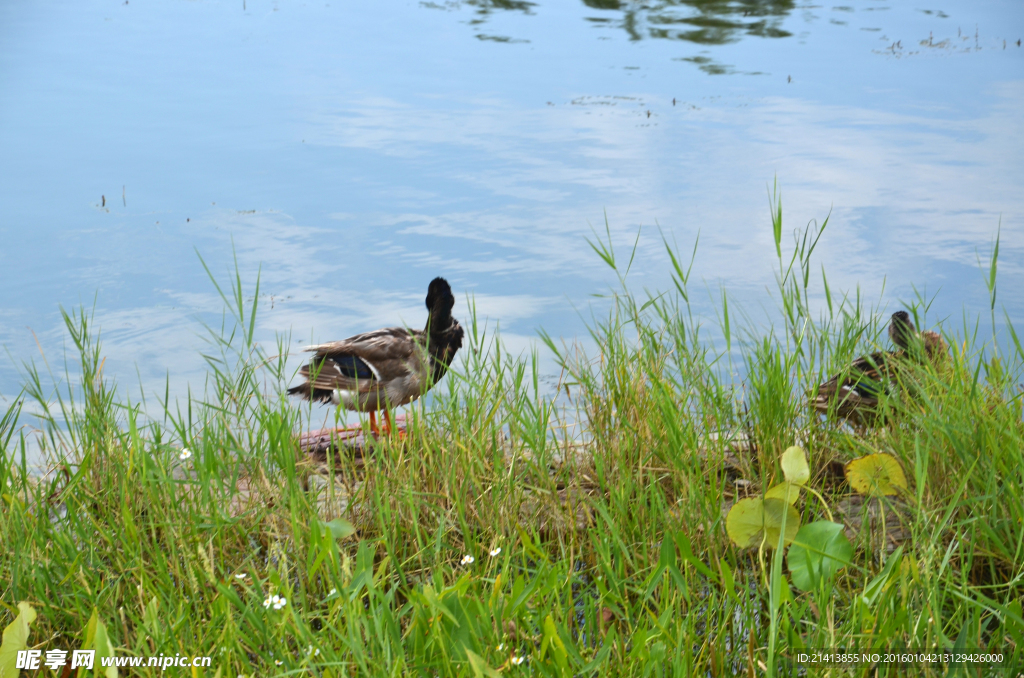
(751, 521)
(876, 475)
(794, 465)
(819, 551)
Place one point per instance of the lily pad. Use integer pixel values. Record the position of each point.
(774, 509)
(340, 528)
(97, 638)
(15, 639)
(744, 522)
(787, 491)
(819, 551)
(751, 521)
(876, 474)
(794, 465)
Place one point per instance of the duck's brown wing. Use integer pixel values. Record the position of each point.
(374, 361)
(934, 345)
(856, 389)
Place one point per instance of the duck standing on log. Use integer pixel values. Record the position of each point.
(854, 392)
(386, 368)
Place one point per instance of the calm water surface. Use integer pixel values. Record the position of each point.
(352, 151)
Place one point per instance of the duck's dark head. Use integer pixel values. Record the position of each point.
(440, 303)
(901, 330)
(444, 334)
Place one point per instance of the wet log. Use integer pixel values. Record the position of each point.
(351, 441)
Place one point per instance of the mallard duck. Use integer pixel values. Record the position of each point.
(854, 392)
(385, 368)
(904, 335)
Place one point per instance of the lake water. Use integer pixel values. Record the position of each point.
(353, 151)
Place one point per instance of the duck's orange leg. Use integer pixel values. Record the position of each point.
(373, 423)
(388, 427)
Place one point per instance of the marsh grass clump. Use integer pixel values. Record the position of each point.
(512, 532)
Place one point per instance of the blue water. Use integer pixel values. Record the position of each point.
(351, 152)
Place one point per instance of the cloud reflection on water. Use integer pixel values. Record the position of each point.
(900, 185)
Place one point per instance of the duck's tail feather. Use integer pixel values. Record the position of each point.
(306, 391)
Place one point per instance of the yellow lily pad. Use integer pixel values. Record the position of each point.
(751, 521)
(876, 474)
(794, 465)
(786, 491)
(773, 512)
(15, 639)
(745, 522)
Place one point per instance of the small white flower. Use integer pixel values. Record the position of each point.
(185, 453)
(241, 575)
(332, 592)
(278, 662)
(495, 551)
(468, 560)
(501, 647)
(516, 661)
(277, 601)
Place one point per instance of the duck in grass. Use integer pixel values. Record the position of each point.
(853, 393)
(386, 368)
